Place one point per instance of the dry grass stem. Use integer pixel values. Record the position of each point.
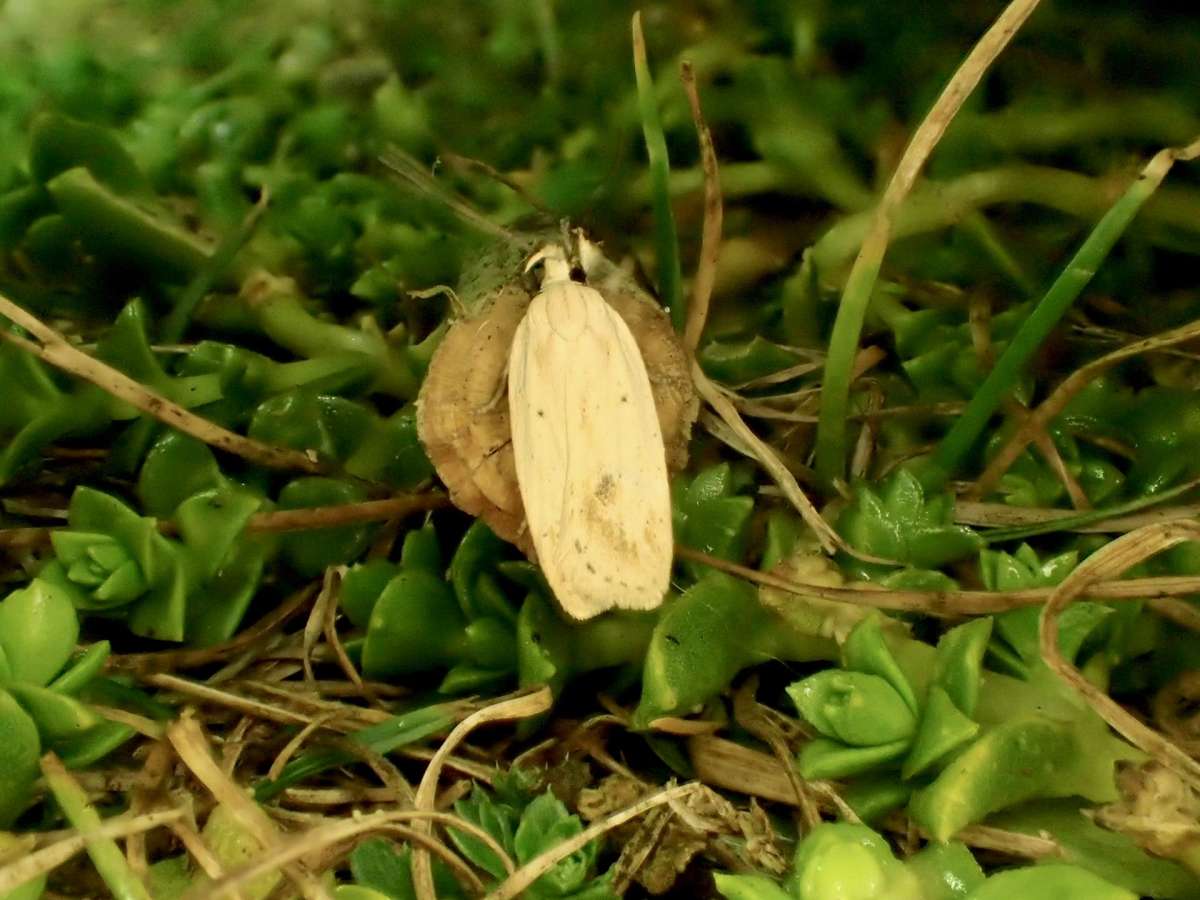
(1181, 612)
(226, 699)
(50, 857)
(948, 604)
(1038, 420)
(193, 748)
(344, 830)
(279, 520)
(289, 749)
(263, 629)
(513, 886)
(865, 270)
(714, 213)
(747, 713)
(523, 707)
(768, 459)
(731, 766)
(316, 624)
(1109, 562)
(59, 352)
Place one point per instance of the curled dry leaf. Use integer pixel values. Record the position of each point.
(462, 410)
(658, 849)
(1157, 808)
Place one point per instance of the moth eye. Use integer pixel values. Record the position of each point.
(577, 274)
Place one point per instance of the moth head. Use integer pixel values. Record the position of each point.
(556, 263)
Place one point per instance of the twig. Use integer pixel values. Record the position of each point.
(710, 241)
(280, 520)
(56, 350)
(213, 695)
(725, 764)
(747, 714)
(856, 296)
(316, 623)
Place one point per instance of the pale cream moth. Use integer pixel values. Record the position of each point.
(589, 451)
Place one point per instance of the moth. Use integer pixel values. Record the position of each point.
(588, 447)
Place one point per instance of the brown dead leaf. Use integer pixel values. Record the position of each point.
(659, 848)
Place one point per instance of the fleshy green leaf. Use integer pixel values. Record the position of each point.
(38, 630)
(943, 729)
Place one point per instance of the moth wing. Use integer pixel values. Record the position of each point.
(589, 454)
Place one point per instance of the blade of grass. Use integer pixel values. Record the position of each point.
(714, 214)
(110, 862)
(1074, 277)
(1071, 522)
(212, 271)
(856, 296)
(666, 247)
(399, 731)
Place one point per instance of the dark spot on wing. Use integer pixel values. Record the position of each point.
(606, 488)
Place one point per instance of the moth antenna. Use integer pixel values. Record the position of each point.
(413, 175)
(468, 164)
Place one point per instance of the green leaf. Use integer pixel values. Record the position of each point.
(866, 651)
(58, 717)
(38, 631)
(1012, 763)
(234, 845)
(310, 552)
(943, 729)
(737, 363)
(825, 758)
(58, 143)
(853, 707)
(474, 585)
(851, 861)
(386, 737)
(545, 823)
(357, 892)
(1053, 880)
(19, 754)
(1114, 856)
(897, 522)
(362, 586)
(945, 871)
(497, 819)
(176, 467)
(873, 796)
(959, 661)
(415, 626)
(749, 887)
(421, 550)
(380, 866)
(691, 658)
